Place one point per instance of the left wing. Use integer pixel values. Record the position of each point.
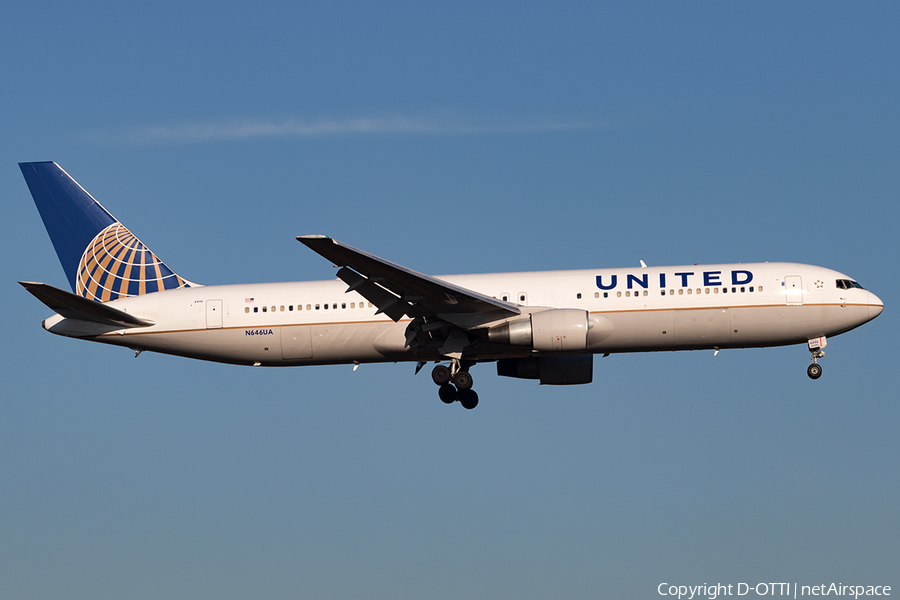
(398, 291)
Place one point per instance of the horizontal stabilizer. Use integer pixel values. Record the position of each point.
(73, 306)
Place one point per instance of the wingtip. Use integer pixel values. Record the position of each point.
(310, 240)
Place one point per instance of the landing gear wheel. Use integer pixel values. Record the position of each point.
(441, 375)
(463, 380)
(816, 352)
(448, 394)
(468, 398)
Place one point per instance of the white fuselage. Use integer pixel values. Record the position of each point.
(631, 310)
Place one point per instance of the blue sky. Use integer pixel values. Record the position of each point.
(451, 138)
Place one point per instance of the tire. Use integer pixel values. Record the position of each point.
(440, 375)
(469, 399)
(448, 394)
(814, 371)
(463, 380)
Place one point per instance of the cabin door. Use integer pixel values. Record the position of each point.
(213, 314)
(793, 290)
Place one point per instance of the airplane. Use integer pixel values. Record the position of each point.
(544, 326)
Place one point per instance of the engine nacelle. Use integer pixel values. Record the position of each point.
(551, 330)
(568, 369)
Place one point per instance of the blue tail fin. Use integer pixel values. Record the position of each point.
(102, 259)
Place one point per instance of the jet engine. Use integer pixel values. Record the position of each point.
(551, 330)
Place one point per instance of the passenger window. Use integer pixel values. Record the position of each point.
(742, 290)
(326, 307)
(645, 292)
(628, 294)
(681, 291)
(308, 307)
(759, 289)
(606, 294)
(707, 290)
(255, 309)
(317, 307)
(751, 288)
(596, 294)
(264, 309)
(715, 290)
(343, 305)
(273, 309)
(690, 291)
(671, 292)
(290, 307)
(282, 308)
(734, 290)
(618, 294)
(246, 309)
(353, 305)
(578, 296)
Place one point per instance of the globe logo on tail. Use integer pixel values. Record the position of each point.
(116, 265)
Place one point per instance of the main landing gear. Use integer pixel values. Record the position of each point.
(455, 384)
(815, 349)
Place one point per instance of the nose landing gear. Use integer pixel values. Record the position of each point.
(815, 349)
(814, 370)
(457, 375)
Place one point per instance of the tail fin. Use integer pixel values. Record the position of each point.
(102, 259)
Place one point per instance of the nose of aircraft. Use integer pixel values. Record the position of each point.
(875, 306)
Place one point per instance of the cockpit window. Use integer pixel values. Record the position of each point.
(846, 284)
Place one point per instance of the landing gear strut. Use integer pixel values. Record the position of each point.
(815, 349)
(457, 375)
